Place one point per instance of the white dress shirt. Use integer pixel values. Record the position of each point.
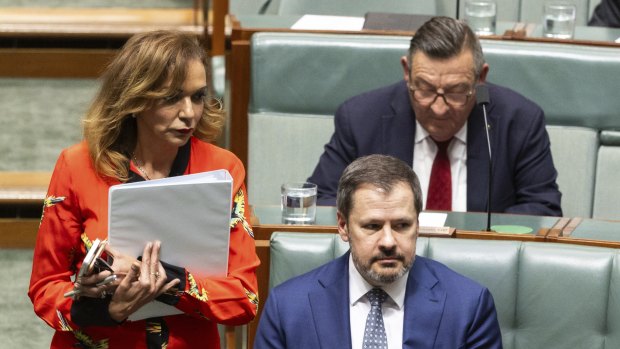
(393, 308)
(424, 151)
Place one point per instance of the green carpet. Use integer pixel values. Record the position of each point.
(20, 327)
(40, 117)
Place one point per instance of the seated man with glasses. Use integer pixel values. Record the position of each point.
(431, 121)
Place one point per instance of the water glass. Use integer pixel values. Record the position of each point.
(298, 203)
(481, 16)
(559, 19)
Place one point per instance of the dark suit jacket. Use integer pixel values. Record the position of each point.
(606, 14)
(382, 122)
(442, 310)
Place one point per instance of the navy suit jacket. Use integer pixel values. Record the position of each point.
(382, 122)
(606, 14)
(442, 310)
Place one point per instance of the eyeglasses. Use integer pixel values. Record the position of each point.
(428, 97)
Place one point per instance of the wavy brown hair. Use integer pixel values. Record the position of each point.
(132, 83)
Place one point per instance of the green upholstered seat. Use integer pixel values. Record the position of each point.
(547, 295)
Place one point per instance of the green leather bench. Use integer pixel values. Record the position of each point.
(298, 80)
(547, 295)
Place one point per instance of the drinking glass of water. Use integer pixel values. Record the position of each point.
(559, 19)
(298, 203)
(481, 16)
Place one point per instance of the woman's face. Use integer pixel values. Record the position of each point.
(171, 121)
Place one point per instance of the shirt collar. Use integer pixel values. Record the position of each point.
(421, 134)
(358, 287)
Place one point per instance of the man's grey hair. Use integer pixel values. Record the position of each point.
(444, 38)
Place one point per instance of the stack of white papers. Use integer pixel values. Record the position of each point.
(189, 214)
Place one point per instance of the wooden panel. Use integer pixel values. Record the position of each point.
(239, 71)
(100, 15)
(23, 188)
(218, 36)
(20, 179)
(93, 22)
(262, 275)
(18, 233)
(53, 63)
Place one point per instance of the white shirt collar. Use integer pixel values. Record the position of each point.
(421, 134)
(358, 287)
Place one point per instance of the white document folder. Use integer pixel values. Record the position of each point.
(189, 214)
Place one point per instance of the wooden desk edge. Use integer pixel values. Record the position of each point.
(18, 232)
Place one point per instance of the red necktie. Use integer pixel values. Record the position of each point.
(440, 185)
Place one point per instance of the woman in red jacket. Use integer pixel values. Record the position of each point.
(152, 118)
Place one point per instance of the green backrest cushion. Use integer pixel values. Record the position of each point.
(314, 73)
(494, 264)
(607, 189)
(575, 85)
(562, 296)
(293, 254)
(575, 151)
(612, 339)
(283, 148)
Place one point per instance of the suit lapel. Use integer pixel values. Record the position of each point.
(329, 304)
(477, 161)
(424, 305)
(398, 129)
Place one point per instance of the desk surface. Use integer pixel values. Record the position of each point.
(593, 229)
(470, 221)
(23, 188)
(582, 33)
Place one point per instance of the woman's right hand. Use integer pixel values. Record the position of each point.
(144, 282)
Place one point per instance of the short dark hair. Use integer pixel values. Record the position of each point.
(381, 171)
(445, 37)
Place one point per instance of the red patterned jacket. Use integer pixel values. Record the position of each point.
(75, 213)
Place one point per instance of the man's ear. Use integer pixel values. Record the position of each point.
(342, 227)
(483, 74)
(404, 62)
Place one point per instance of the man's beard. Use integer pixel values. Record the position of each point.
(381, 278)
